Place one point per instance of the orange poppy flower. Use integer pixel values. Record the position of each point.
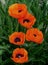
(20, 55)
(28, 21)
(17, 38)
(17, 10)
(34, 35)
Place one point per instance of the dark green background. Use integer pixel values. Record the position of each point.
(38, 54)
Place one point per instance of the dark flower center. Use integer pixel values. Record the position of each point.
(35, 35)
(19, 55)
(19, 11)
(25, 20)
(17, 39)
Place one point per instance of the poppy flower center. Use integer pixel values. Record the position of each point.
(17, 39)
(19, 55)
(19, 11)
(25, 20)
(35, 35)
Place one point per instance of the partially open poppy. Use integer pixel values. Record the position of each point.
(17, 38)
(34, 35)
(17, 10)
(28, 21)
(20, 55)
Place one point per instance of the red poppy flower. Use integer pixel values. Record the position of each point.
(17, 10)
(28, 21)
(17, 38)
(34, 35)
(20, 55)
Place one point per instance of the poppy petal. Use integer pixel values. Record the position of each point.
(17, 10)
(28, 21)
(20, 55)
(17, 38)
(34, 35)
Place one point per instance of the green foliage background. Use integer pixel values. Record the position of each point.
(38, 54)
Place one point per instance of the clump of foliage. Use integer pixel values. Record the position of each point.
(38, 54)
